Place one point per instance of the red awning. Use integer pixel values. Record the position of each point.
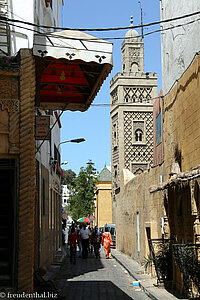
(70, 69)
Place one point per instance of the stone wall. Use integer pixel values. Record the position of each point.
(136, 202)
(181, 121)
(182, 153)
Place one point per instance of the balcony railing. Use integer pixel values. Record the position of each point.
(162, 257)
(187, 257)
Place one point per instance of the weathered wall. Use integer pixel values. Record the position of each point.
(181, 121)
(174, 196)
(179, 44)
(135, 199)
(182, 153)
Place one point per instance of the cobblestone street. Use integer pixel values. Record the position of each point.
(103, 279)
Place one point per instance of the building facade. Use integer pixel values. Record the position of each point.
(132, 95)
(35, 195)
(31, 200)
(32, 232)
(15, 36)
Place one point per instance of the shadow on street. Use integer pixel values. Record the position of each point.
(98, 290)
(82, 266)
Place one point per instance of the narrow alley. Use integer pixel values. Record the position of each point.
(100, 279)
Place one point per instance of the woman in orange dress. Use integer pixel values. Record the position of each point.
(106, 242)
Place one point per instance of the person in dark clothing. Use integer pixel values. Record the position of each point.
(72, 241)
(85, 234)
(96, 241)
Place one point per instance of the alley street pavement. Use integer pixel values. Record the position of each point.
(99, 279)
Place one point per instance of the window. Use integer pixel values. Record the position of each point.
(115, 171)
(138, 135)
(134, 67)
(158, 129)
(139, 132)
(114, 132)
(48, 3)
(56, 154)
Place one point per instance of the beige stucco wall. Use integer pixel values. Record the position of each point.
(181, 120)
(135, 198)
(103, 213)
(182, 136)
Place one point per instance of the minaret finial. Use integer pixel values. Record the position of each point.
(131, 21)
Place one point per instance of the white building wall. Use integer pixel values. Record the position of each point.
(33, 11)
(24, 11)
(36, 12)
(179, 44)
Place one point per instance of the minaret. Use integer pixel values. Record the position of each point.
(132, 52)
(132, 94)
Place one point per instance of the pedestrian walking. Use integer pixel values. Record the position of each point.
(96, 241)
(85, 234)
(79, 240)
(72, 241)
(107, 242)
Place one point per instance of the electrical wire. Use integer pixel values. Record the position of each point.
(18, 26)
(105, 38)
(101, 29)
(125, 103)
(8, 21)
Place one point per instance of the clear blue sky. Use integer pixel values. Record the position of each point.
(94, 125)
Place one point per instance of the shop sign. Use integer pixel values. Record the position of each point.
(42, 127)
